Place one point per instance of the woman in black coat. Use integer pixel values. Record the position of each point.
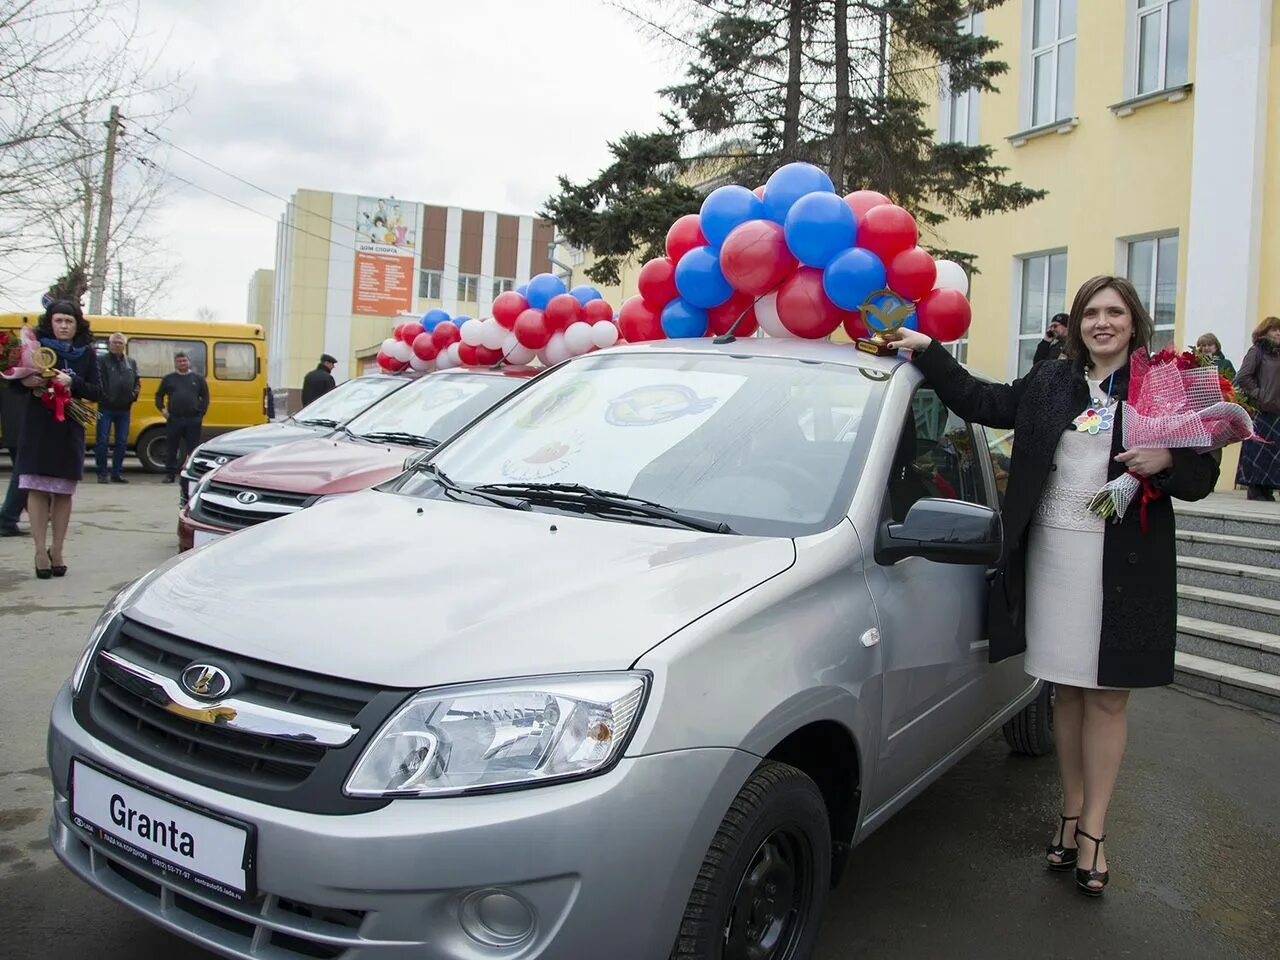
(51, 453)
(1092, 604)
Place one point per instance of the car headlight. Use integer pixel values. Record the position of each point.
(490, 736)
(105, 619)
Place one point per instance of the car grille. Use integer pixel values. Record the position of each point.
(201, 462)
(291, 773)
(271, 927)
(234, 508)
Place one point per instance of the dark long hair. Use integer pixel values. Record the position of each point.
(83, 337)
(1143, 328)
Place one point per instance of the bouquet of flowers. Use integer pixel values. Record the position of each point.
(28, 358)
(1176, 401)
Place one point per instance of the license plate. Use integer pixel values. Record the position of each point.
(190, 845)
(203, 537)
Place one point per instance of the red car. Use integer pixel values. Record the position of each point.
(370, 449)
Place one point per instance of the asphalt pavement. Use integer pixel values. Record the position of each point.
(1194, 836)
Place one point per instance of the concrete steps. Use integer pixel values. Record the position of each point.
(1229, 600)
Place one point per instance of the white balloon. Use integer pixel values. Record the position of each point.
(387, 346)
(521, 356)
(557, 351)
(578, 338)
(951, 276)
(472, 332)
(455, 354)
(401, 351)
(492, 334)
(767, 314)
(419, 365)
(604, 333)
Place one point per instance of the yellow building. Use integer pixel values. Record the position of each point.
(348, 268)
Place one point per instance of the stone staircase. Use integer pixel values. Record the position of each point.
(1229, 600)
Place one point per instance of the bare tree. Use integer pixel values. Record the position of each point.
(63, 64)
(207, 314)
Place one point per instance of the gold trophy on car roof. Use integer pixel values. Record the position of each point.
(891, 312)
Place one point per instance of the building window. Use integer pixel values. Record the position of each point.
(468, 288)
(959, 121)
(429, 284)
(1161, 36)
(1053, 61)
(501, 285)
(1044, 293)
(959, 350)
(1152, 267)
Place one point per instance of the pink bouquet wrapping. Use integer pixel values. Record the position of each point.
(25, 358)
(1176, 401)
(30, 358)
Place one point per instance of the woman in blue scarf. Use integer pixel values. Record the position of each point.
(51, 453)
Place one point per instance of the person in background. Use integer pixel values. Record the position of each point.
(13, 405)
(187, 394)
(1259, 380)
(319, 381)
(1055, 339)
(120, 386)
(51, 452)
(1210, 346)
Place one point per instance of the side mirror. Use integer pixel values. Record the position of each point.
(946, 531)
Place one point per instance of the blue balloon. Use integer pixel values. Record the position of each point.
(852, 277)
(700, 279)
(682, 319)
(523, 290)
(885, 303)
(819, 226)
(788, 184)
(542, 289)
(585, 294)
(725, 208)
(433, 318)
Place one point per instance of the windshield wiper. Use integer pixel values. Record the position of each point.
(392, 436)
(318, 422)
(455, 490)
(604, 501)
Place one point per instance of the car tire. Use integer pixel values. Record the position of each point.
(764, 881)
(1030, 732)
(151, 450)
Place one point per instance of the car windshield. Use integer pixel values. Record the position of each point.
(435, 407)
(347, 399)
(765, 446)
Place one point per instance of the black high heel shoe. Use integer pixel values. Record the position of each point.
(43, 574)
(1066, 855)
(56, 569)
(1086, 878)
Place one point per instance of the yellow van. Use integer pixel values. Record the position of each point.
(232, 357)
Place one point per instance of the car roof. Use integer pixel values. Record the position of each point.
(785, 348)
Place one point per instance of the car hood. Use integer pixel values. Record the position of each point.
(404, 592)
(318, 467)
(252, 439)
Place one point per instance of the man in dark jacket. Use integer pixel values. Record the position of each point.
(319, 381)
(120, 386)
(188, 397)
(1055, 340)
(13, 403)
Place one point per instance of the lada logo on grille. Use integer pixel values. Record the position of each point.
(247, 496)
(220, 461)
(206, 681)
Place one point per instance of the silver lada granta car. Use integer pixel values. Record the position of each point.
(624, 670)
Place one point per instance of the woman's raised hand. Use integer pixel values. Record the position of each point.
(905, 339)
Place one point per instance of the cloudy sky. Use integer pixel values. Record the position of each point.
(476, 103)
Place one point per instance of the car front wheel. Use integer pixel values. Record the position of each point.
(762, 885)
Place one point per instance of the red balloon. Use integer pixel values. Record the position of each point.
(445, 333)
(563, 310)
(486, 357)
(759, 191)
(597, 310)
(912, 273)
(467, 355)
(860, 201)
(507, 308)
(853, 324)
(532, 329)
(886, 231)
(723, 317)
(424, 347)
(640, 322)
(390, 364)
(657, 282)
(684, 235)
(944, 315)
(755, 257)
(408, 332)
(803, 306)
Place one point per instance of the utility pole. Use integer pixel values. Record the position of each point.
(98, 276)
